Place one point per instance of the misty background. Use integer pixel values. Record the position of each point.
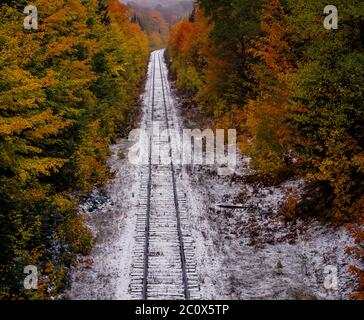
(155, 3)
(156, 17)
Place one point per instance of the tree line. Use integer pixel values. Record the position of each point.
(67, 90)
(156, 20)
(293, 88)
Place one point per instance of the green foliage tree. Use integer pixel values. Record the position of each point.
(328, 88)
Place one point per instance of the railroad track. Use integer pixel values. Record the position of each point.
(164, 266)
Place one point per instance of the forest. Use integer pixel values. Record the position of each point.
(156, 20)
(287, 83)
(293, 89)
(66, 92)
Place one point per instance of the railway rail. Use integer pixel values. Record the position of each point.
(164, 266)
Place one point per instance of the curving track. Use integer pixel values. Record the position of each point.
(164, 264)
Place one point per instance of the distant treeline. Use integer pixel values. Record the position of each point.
(156, 21)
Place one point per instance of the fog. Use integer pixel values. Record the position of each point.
(153, 3)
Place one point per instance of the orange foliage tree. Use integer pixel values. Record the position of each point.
(268, 134)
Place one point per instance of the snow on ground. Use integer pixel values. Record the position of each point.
(111, 218)
(255, 253)
(246, 253)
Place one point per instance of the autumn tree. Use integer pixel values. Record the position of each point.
(153, 24)
(68, 90)
(269, 137)
(328, 92)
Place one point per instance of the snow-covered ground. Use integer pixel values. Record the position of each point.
(256, 254)
(242, 253)
(111, 217)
